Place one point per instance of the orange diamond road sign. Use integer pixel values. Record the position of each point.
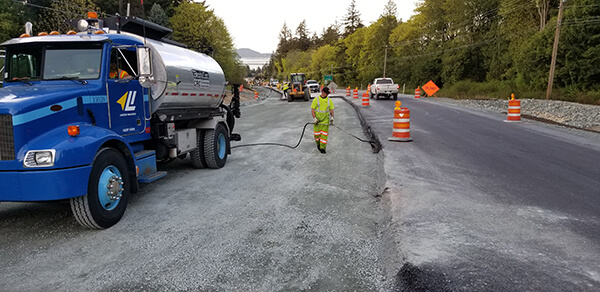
(430, 88)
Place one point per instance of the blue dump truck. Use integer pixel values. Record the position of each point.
(85, 116)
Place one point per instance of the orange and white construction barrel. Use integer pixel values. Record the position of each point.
(418, 93)
(514, 110)
(365, 99)
(401, 130)
(348, 91)
(355, 93)
(256, 95)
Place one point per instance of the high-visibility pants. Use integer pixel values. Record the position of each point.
(321, 134)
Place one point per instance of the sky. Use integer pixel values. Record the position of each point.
(256, 24)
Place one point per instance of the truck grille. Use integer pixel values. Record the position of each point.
(7, 143)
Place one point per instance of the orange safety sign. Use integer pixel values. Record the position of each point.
(430, 88)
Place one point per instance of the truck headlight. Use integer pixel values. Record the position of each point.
(39, 158)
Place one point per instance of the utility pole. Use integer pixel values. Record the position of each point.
(555, 49)
(385, 61)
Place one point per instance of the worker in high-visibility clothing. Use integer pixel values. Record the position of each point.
(116, 73)
(322, 112)
(285, 88)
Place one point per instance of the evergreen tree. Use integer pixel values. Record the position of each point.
(352, 20)
(158, 15)
(390, 9)
(303, 42)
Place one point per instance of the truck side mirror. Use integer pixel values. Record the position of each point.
(146, 77)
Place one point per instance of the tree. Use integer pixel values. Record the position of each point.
(543, 6)
(158, 15)
(352, 20)
(10, 20)
(390, 9)
(61, 11)
(578, 61)
(302, 41)
(202, 31)
(330, 35)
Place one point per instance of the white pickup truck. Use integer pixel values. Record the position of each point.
(384, 87)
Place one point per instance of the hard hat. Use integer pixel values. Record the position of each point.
(326, 90)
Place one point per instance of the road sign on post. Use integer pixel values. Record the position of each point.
(430, 88)
(328, 78)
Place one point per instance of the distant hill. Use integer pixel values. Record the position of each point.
(251, 54)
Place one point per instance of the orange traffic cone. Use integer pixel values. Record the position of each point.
(401, 130)
(256, 95)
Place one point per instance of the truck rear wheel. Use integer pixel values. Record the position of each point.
(197, 155)
(307, 95)
(215, 147)
(395, 96)
(108, 192)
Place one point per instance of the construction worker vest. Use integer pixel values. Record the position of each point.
(322, 114)
(122, 74)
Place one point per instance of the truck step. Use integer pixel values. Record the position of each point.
(236, 137)
(152, 177)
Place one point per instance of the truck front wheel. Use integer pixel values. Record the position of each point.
(108, 192)
(215, 146)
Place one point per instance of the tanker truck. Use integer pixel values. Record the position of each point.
(85, 116)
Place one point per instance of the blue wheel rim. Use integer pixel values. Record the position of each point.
(221, 146)
(108, 201)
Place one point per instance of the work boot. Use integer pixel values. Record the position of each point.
(322, 151)
(319, 146)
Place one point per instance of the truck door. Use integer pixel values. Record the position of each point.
(125, 94)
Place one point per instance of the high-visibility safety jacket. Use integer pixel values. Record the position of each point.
(322, 107)
(122, 74)
(286, 86)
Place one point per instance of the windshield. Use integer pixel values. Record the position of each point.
(297, 78)
(384, 81)
(82, 64)
(53, 62)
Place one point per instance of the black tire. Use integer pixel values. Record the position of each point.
(376, 96)
(371, 95)
(98, 209)
(307, 95)
(395, 96)
(197, 155)
(289, 98)
(215, 146)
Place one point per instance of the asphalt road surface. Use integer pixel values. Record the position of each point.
(471, 204)
(479, 204)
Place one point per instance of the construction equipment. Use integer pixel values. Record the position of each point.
(298, 88)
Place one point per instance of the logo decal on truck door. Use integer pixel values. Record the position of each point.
(127, 101)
